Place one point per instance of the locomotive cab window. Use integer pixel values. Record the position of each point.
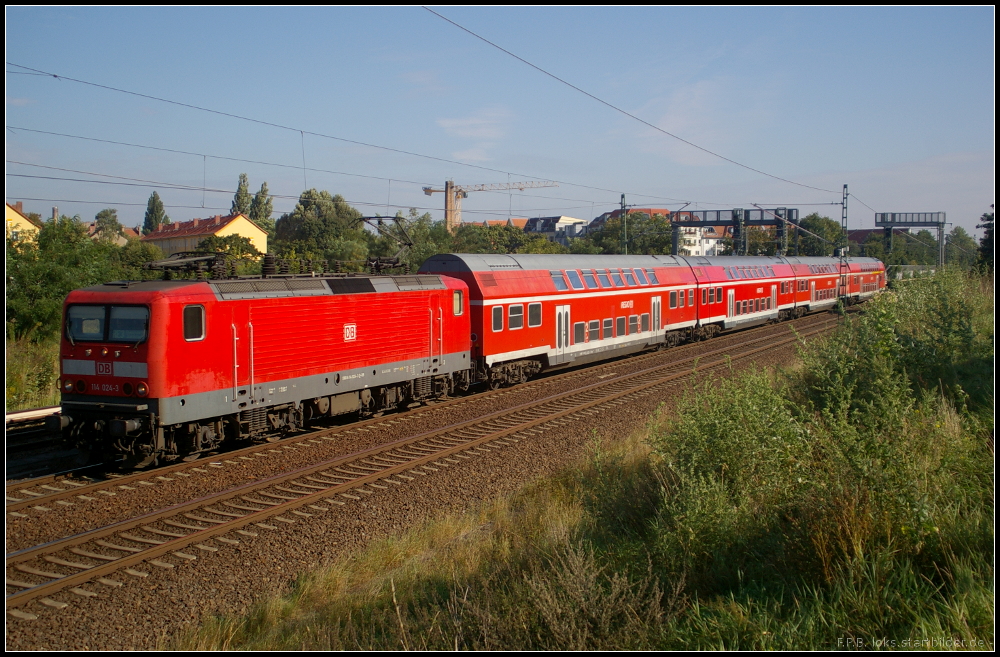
(128, 324)
(497, 318)
(515, 317)
(458, 306)
(194, 323)
(85, 323)
(534, 315)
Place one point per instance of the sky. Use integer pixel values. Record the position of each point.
(376, 103)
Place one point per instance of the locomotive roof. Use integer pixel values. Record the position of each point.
(285, 286)
(141, 286)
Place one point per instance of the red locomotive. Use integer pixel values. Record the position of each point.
(172, 368)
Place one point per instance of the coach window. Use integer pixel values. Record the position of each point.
(629, 277)
(620, 326)
(574, 279)
(608, 329)
(652, 277)
(633, 324)
(534, 315)
(194, 323)
(602, 275)
(515, 317)
(457, 306)
(497, 318)
(644, 318)
(673, 299)
(559, 281)
(579, 333)
(704, 296)
(617, 276)
(680, 301)
(588, 278)
(718, 294)
(595, 330)
(691, 297)
(641, 276)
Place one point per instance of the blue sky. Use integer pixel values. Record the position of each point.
(896, 103)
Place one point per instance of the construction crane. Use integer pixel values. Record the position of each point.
(453, 195)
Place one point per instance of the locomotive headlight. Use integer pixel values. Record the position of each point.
(142, 389)
(104, 351)
(67, 386)
(81, 387)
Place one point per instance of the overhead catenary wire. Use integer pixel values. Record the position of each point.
(357, 142)
(621, 111)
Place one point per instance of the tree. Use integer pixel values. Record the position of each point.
(322, 226)
(155, 215)
(106, 225)
(986, 243)
(960, 249)
(828, 230)
(242, 200)
(261, 209)
(235, 245)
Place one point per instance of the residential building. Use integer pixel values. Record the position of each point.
(557, 229)
(18, 225)
(186, 235)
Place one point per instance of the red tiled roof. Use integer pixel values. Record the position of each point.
(192, 228)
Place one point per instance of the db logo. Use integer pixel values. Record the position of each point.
(350, 332)
(104, 369)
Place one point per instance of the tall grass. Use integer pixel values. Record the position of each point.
(847, 503)
(32, 370)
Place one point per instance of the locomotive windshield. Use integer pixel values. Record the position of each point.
(107, 323)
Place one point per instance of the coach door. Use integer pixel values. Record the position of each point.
(656, 314)
(812, 290)
(562, 330)
(774, 297)
(732, 303)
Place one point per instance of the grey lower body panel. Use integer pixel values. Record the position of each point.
(218, 403)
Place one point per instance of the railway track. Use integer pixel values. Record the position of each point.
(240, 512)
(57, 488)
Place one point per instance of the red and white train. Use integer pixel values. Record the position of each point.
(165, 369)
